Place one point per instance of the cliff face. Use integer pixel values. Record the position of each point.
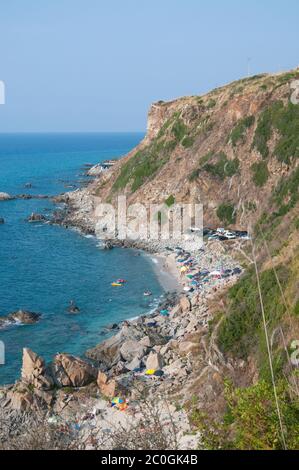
(230, 149)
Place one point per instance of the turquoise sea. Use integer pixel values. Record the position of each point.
(42, 267)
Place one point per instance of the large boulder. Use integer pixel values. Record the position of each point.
(154, 361)
(134, 364)
(132, 349)
(107, 387)
(71, 371)
(20, 400)
(33, 366)
(34, 371)
(107, 354)
(185, 304)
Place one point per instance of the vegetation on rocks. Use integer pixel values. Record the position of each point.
(286, 194)
(238, 133)
(251, 420)
(144, 164)
(260, 173)
(285, 120)
(226, 213)
(222, 167)
(241, 329)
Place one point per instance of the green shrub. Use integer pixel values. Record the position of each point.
(286, 194)
(251, 421)
(285, 119)
(179, 130)
(194, 175)
(287, 77)
(264, 130)
(205, 158)
(260, 173)
(239, 132)
(188, 141)
(223, 167)
(226, 213)
(144, 164)
(211, 103)
(170, 200)
(287, 124)
(239, 331)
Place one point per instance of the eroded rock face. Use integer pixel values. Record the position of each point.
(35, 372)
(71, 371)
(33, 365)
(107, 387)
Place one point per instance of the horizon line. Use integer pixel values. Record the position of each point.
(73, 132)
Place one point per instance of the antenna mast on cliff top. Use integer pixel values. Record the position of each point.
(248, 66)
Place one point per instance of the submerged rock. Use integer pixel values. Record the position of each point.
(73, 308)
(36, 218)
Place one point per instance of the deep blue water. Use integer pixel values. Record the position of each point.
(42, 267)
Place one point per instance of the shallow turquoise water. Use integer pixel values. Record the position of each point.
(42, 267)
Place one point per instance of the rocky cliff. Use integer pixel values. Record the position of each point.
(230, 149)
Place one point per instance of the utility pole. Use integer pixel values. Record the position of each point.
(248, 66)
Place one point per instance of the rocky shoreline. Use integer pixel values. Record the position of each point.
(162, 355)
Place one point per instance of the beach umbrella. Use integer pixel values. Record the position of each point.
(117, 400)
(164, 313)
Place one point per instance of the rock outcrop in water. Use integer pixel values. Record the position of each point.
(34, 217)
(23, 317)
(5, 197)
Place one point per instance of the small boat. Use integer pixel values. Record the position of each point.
(116, 284)
(121, 281)
(147, 293)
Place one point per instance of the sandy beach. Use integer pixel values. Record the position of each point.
(167, 272)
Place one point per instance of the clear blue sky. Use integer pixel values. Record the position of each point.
(94, 65)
